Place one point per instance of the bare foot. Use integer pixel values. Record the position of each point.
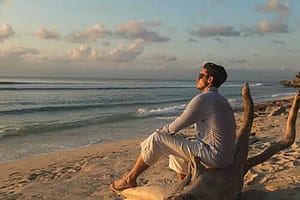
(122, 184)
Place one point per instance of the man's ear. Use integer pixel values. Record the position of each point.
(210, 79)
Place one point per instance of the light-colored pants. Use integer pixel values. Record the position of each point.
(181, 151)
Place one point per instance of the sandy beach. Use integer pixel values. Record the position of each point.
(86, 173)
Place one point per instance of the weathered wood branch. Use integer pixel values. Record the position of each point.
(248, 111)
(242, 141)
(286, 141)
(227, 183)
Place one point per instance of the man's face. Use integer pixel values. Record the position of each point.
(203, 81)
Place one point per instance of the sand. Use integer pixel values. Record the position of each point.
(86, 173)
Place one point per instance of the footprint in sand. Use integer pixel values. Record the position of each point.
(90, 166)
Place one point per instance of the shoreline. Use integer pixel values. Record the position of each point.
(86, 172)
(238, 110)
(67, 155)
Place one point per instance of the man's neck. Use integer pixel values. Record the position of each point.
(204, 90)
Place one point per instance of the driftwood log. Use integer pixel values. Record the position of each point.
(227, 183)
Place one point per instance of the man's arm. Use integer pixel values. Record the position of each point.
(189, 116)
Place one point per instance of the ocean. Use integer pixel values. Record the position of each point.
(42, 115)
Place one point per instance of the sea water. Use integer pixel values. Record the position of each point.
(45, 115)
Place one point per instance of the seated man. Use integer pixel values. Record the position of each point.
(215, 133)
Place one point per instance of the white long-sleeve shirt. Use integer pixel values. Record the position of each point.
(215, 124)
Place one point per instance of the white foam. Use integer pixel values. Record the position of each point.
(161, 111)
(241, 85)
(282, 95)
(5, 131)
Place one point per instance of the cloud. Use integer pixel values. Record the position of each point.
(17, 53)
(213, 31)
(278, 42)
(238, 61)
(275, 6)
(247, 31)
(84, 52)
(219, 40)
(163, 57)
(47, 34)
(261, 28)
(89, 34)
(4, 2)
(294, 50)
(192, 40)
(6, 32)
(125, 53)
(264, 27)
(139, 30)
(122, 53)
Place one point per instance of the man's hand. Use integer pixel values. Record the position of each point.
(164, 130)
(161, 130)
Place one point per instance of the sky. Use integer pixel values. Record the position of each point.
(147, 38)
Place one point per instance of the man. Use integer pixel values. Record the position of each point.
(215, 133)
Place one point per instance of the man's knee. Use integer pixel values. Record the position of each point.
(156, 136)
(150, 148)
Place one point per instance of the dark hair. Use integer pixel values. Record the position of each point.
(218, 72)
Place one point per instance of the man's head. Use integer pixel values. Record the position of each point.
(218, 72)
(212, 75)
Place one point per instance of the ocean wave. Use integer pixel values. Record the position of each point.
(50, 126)
(279, 95)
(235, 103)
(63, 108)
(95, 88)
(110, 88)
(8, 131)
(48, 86)
(39, 127)
(169, 110)
(167, 118)
(241, 85)
(13, 83)
(36, 83)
